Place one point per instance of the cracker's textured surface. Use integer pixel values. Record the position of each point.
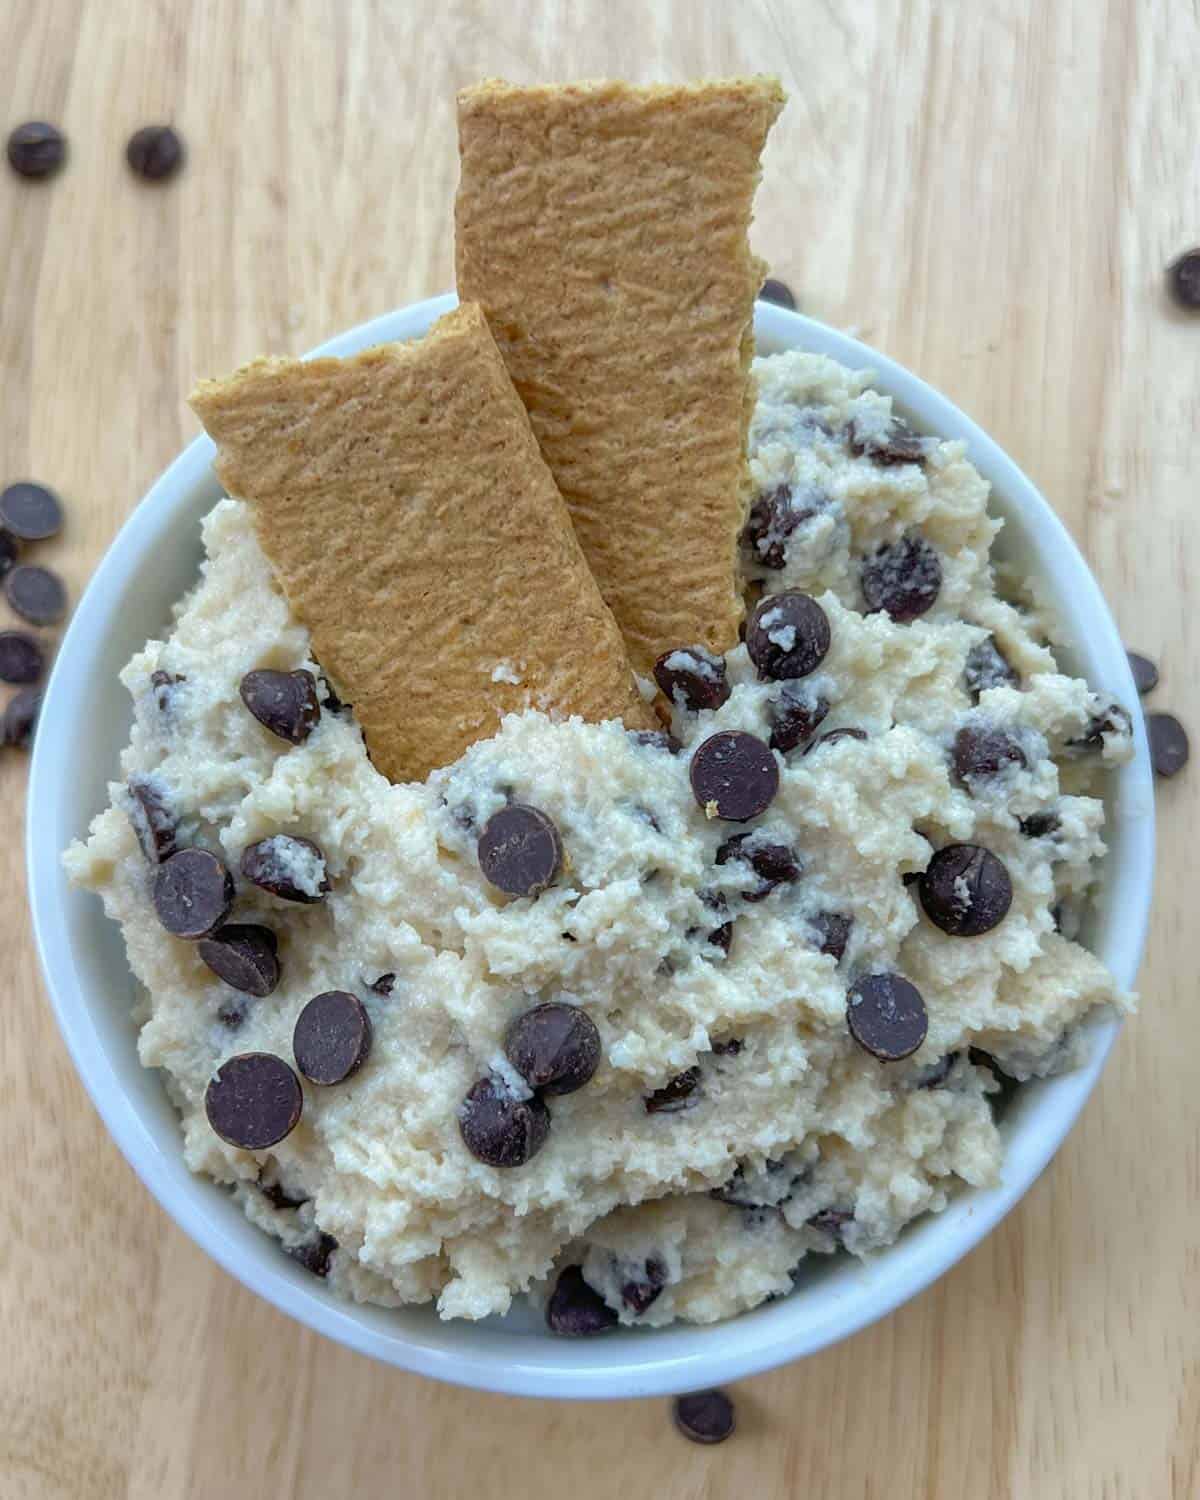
(418, 534)
(603, 229)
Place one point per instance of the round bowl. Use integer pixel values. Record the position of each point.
(84, 725)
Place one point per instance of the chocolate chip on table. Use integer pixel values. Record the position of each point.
(704, 1416)
(1145, 673)
(20, 718)
(152, 818)
(315, 1254)
(244, 955)
(332, 1037)
(787, 635)
(778, 292)
(1183, 280)
(554, 1047)
(193, 892)
(896, 443)
(9, 552)
(30, 511)
(773, 517)
(902, 578)
(980, 753)
(575, 1309)
(693, 676)
(289, 867)
(641, 1289)
(734, 776)
(775, 864)
(21, 659)
(886, 1016)
(384, 985)
(833, 933)
(965, 890)
(1168, 744)
(500, 1130)
(656, 739)
(254, 1101)
(1037, 825)
(848, 732)
(520, 851)
(283, 702)
(676, 1094)
(36, 594)
(795, 717)
(36, 149)
(986, 666)
(832, 1221)
(155, 152)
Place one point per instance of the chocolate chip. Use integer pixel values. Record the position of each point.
(500, 1130)
(986, 667)
(832, 1221)
(574, 1309)
(777, 292)
(1183, 280)
(1037, 825)
(795, 717)
(902, 578)
(850, 732)
(20, 718)
(277, 1197)
(729, 1048)
(1145, 673)
(163, 685)
(1168, 744)
(21, 657)
(721, 937)
(678, 1093)
(965, 890)
(735, 773)
(36, 149)
(9, 552)
(155, 152)
(787, 635)
(30, 511)
(520, 851)
(692, 676)
(332, 1037)
(656, 739)
(315, 1254)
(773, 517)
(243, 954)
(775, 864)
(254, 1101)
(981, 752)
(644, 1287)
(886, 1016)
(704, 1416)
(1112, 719)
(289, 867)
(833, 933)
(896, 443)
(283, 702)
(152, 818)
(36, 594)
(193, 892)
(384, 985)
(232, 1013)
(936, 1073)
(555, 1048)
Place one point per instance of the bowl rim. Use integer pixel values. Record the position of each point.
(657, 1362)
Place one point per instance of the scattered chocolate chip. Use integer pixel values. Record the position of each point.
(896, 443)
(902, 578)
(232, 1013)
(1168, 744)
(9, 552)
(833, 933)
(777, 292)
(163, 685)
(155, 152)
(656, 739)
(787, 635)
(936, 1073)
(986, 666)
(1183, 280)
(704, 1416)
(555, 1048)
(384, 985)
(886, 1016)
(277, 1197)
(283, 702)
(193, 892)
(965, 890)
(832, 1221)
(980, 753)
(1145, 673)
(20, 718)
(21, 657)
(729, 1048)
(243, 954)
(736, 773)
(30, 511)
(520, 851)
(315, 1254)
(1037, 825)
(500, 1130)
(643, 1288)
(692, 676)
(289, 867)
(721, 937)
(36, 149)
(850, 732)
(254, 1101)
(36, 594)
(152, 819)
(773, 517)
(574, 1309)
(775, 864)
(795, 717)
(1112, 719)
(332, 1037)
(678, 1093)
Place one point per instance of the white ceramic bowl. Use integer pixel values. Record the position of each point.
(85, 724)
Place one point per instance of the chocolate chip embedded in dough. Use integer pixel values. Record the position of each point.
(254, 1101)
(965, 890)
(193, 893)
(886, 1016)
(520, 851)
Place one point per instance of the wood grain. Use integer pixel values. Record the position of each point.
(988, 192)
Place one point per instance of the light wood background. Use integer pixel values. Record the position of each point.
(989, 192)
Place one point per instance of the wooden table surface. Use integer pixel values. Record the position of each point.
(988, 192)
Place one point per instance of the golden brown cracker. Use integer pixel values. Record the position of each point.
(603, 229)
(417, 532)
